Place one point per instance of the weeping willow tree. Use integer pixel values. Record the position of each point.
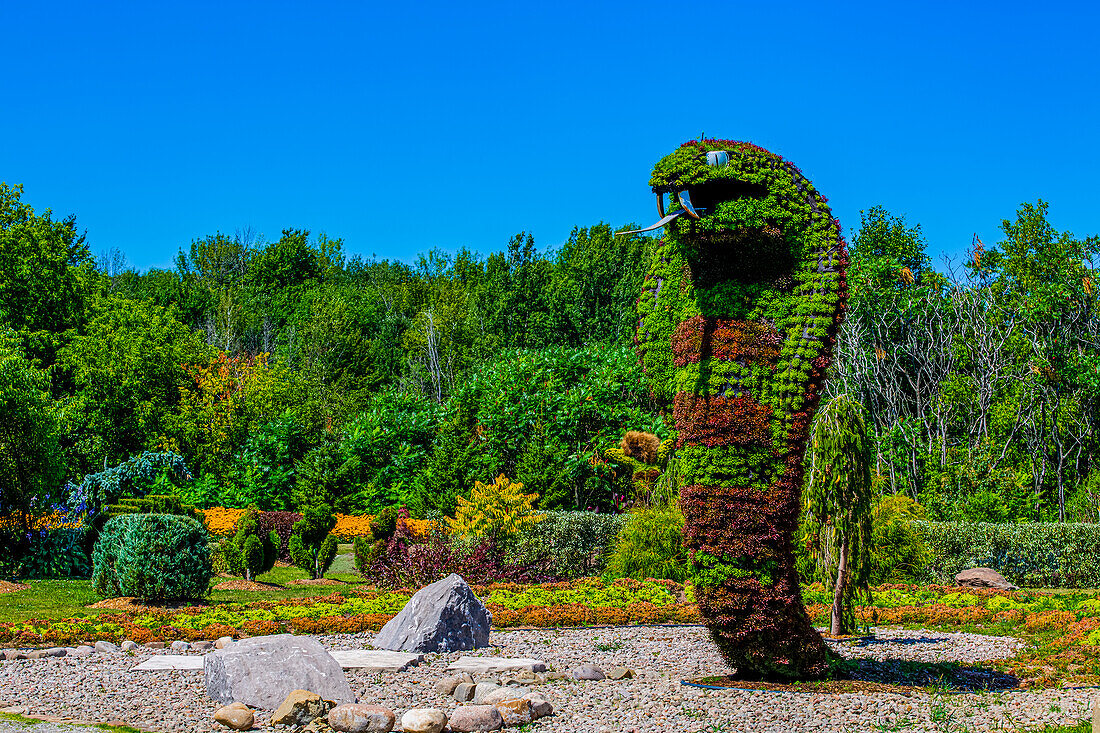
(838, 506)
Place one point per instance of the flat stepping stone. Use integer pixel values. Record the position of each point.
(490, 665)
(376, 660)
(369, 660)
(164, 662)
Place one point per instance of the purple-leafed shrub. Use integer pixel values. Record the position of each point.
(282, 523)
(408, 561)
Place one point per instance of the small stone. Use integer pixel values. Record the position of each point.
(446, 686)
(469, 718)
(180, 646)
(540, 706)
(424, 720)
(503, 694)
(129, 645)
(202, 646)
(155, 645)
(464, 691)
(299, 708)
(82, 651)
(620, 673)
(482, 689)
(588, 672)
(106, 647)
(355, 718)
(521, 677)
(55, 651)
(515, 712)
(236, 716)
(223, 642)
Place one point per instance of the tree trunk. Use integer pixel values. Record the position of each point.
(837, 627)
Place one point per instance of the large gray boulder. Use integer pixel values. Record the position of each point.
(445, 616)
(261, 671)
(983, 578)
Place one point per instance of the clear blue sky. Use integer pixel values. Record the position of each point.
(402, 127)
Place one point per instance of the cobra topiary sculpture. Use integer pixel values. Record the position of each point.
(736, 324)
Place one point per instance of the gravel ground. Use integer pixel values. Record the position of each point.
(101, 687)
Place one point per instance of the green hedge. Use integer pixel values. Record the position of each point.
(1035, 554)
(576, 542)
(154, 557)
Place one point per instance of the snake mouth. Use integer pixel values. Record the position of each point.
(700, 200)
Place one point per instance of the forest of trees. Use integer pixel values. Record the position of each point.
(286, 372)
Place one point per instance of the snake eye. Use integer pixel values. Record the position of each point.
(717, 157)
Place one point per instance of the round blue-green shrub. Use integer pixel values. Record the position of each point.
(154, 557)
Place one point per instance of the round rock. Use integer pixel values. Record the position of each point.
(503, 694)
(236, 716)
(105, 646)
(424, 720)
(446, 686)
(482, 689)
(464, 691)
(540, 706)
(355, 718)
(588, 672)
(515, 712)
(470, 718)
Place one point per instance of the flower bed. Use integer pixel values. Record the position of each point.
(1062, 629)
(584, 602)
(222, 521)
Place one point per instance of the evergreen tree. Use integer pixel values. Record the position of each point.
(311, 546)
(838, 501)
(249, 552)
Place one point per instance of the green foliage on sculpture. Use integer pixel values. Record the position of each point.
(737, 320)
(311, 546)
(250, 552)
(838, 500)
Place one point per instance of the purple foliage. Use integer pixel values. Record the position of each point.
(283, 524)
(407, 561)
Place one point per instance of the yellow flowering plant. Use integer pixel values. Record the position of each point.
(498, 510)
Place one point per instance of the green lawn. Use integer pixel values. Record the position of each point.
(60, 599)
(49, 599)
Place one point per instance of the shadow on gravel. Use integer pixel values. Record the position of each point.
(872, 675)
(943, 676)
